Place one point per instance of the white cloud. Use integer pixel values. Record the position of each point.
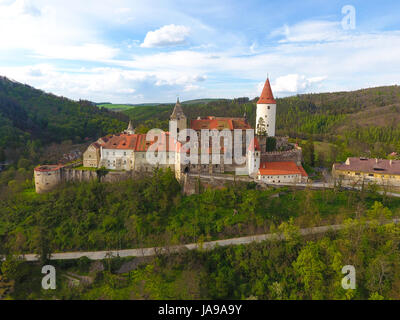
(294, 83)
(310, 31)
(19, 7)
(169, 35)
(104, 84)
(50, 31)
(87, 51)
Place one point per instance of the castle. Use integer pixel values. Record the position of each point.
(128, 152)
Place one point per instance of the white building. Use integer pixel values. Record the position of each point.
(282, 172)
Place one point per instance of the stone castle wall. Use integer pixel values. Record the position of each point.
(191, 182)
(290, 155)
(47, 181)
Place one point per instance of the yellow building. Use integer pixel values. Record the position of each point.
(91, 157)
(365, 170)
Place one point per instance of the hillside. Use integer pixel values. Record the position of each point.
(127, 106)
(356, 122)
(30, 115)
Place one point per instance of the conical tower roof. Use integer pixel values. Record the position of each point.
(130, 129)
(266, 95)
(178, 112)
(130, 126)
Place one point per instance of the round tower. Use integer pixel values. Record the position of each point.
(47, 177)
(266, 112)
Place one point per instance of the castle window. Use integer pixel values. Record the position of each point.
(268, 107)
(124, 153)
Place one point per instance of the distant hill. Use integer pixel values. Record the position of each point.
(200, 101)
(127, 106)
(28, 114)
(115, 107)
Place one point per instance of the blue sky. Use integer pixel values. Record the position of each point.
(152, 51)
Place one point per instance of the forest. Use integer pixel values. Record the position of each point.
(299, 267)
(31, 119)
(152, 211)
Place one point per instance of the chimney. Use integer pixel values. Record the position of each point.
(376, 160)
(390, 161)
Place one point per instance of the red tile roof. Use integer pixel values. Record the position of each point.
(121, 141)
(219, 123)
(136, 142)
(48, 167)
(166, 145)
(266, 95)
(281, 168)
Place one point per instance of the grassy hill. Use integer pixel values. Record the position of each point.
(115, 107)
(127, 106)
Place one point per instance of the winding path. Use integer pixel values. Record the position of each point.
(147, 252)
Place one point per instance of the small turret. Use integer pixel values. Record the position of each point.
(130, 129)
(179, 116)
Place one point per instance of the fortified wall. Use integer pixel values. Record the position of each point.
(192, 182)
(289, 155)
(47, 177)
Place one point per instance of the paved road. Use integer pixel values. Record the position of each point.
(146, 252)
(314, 185)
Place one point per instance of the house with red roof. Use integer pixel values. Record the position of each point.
(282, 172)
